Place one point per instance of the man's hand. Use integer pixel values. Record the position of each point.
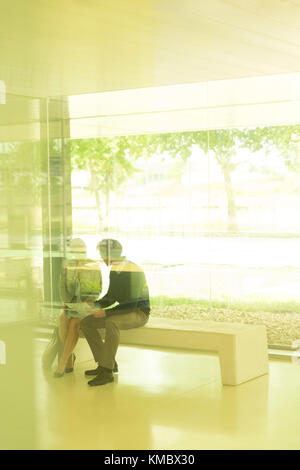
(99, 313)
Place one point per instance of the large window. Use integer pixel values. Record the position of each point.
(211, 216)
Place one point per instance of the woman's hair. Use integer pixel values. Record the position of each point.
(77, 245)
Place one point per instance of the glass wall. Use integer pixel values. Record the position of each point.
(203, 195)
(209, 212)
(20, 267)
(35, 221)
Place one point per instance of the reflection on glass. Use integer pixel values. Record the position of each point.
(20, 278)
(20, 268)
(211, 216)
(34, 226)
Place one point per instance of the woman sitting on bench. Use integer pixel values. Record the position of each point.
(80, 282)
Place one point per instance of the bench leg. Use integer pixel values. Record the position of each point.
(244, 357)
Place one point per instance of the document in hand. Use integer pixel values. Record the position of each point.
(82, 308)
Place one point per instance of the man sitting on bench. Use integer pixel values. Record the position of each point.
(127, 287)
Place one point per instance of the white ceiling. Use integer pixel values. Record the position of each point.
(67, 47)
(243, 102)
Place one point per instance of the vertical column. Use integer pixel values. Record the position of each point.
(56, 193)
(20, 239)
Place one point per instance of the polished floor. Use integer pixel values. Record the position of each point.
(163, 399)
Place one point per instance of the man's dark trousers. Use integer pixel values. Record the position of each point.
(105, 352)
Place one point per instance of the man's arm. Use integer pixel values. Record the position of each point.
(106, 301)
(136, 292)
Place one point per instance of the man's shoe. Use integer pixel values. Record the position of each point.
(104, 377)
(99, 368)
(93, 371)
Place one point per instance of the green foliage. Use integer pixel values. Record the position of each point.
(238, 304)
(284, 139)
(224, 143)
(110, 160)
(20, 170)
(106, 158)
(116, 155)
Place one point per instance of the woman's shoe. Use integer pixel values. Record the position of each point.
(53, 348)
(58, 374)
(70, 369)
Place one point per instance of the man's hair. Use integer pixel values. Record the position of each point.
(109, 245)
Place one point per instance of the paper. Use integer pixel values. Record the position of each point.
(82, 308)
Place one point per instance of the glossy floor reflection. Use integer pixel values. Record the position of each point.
(165, 399)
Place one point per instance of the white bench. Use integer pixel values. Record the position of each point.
(242, 348)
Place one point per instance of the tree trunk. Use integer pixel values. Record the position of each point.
(95, 191)
(107, 200)
(231, 206)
